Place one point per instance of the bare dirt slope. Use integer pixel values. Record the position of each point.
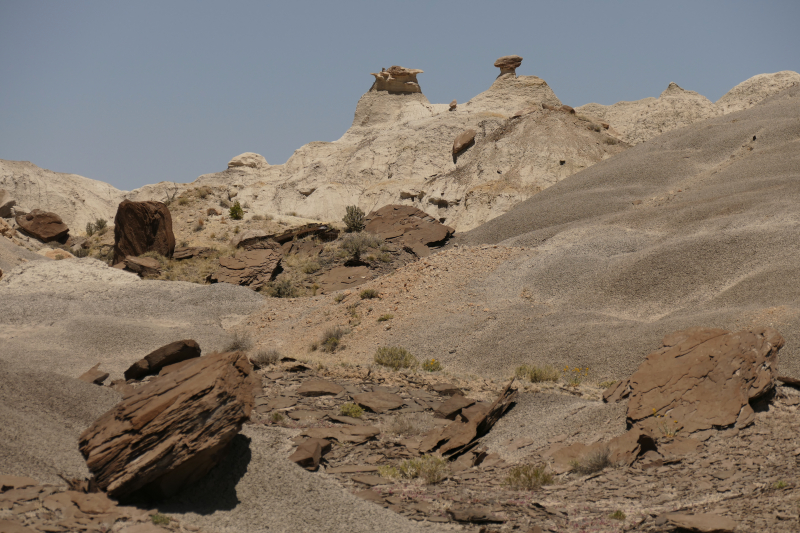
(696, 228)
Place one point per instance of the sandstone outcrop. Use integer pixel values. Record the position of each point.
(755, 89)
(397, 80)
(170, 354)
(248, 159)
(408, 226)
(463, 141)
(6, 203)
(250, 267)
(508, 64)
(701, 379)
(94, 375)
(173, 430)
(141, 227)
(43, 225)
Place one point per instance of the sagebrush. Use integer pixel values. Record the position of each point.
(395, 357)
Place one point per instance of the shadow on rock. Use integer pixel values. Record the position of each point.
(217, 490)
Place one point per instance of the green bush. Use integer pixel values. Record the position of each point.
(528, 477)
(395, 357)
(236, 212)
(159, 519)
(617, 515)
(352, 410)
(100, 225)
(354, 219)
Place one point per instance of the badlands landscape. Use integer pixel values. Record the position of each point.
(506, 314)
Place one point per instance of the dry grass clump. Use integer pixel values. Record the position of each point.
(529, 477)
(194, 270)
(352, 410)
(429, 468)
(395, 357)
(239, 342)
(409, 424)
(355, 244)
(384, 318)
(592, 463)
(303, 263)
(536, 374)
(431, 365)
(331, 339)
(264, 358)
(617, 515)
(368, 294)
(285, 287)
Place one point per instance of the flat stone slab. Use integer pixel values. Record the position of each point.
(347, 420)
(453, 407)
(446, 389)
(282, 402)
(319, 387)
(370, 480)
(300, 414)
(379, 402)
(344, 433)
(702, 523)
(350, 469)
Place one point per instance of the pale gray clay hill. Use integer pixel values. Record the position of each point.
(546, 325)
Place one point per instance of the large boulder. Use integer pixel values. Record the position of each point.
(700, 379)
(412, 228)
(43, 225)
(248, 159)
(141, 227)
(170, 354)
(173, 430)
(252, 268)
(6, 203)
(464, 140)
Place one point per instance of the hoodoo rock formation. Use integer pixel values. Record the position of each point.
(141, 227)
(397, 80)
(508, 65)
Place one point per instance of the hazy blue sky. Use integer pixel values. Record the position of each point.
(143, 91)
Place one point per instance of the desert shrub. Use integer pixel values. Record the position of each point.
(594, 462)
(89, 229)
(303, 263)
(355, 244)
(276, 417)
(224, 203)
(159, 519)
(352, 410)
(617, 515)
(408, 424)
(429, 468)
(528, 477)
(183, 200)
(339, 297)
(610, 140)
(367, 294)
(203, 192)
(281, 288)
(200, 225)
(257, 217)
(606, 384)
(81, 252)
(264, 358)
(395, 357)
(239, 342)
(431, 365)
(595, 127)
(575, 376)
(236, 212)
(332, 339)
(385, 257)
(536, 374)
(211, 212)
(354, 219)
(100, 226)
(384, 318)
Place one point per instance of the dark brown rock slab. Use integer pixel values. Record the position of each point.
(702, 378)
(16, 482)
(342, 277)
(343, 433)
(463, 140)
(474, 515)
(309, 452)
(169, 354)
(446, 389)
(94, 375)
(251, 268)
(43, 225)
(172, 431)
(144, 266)
(453, 407)
(319, 387)
(370, 480)
(701, 523)
(409, 227)
(188, 252)
(379, 402)
(352, 469)
(141, 227)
